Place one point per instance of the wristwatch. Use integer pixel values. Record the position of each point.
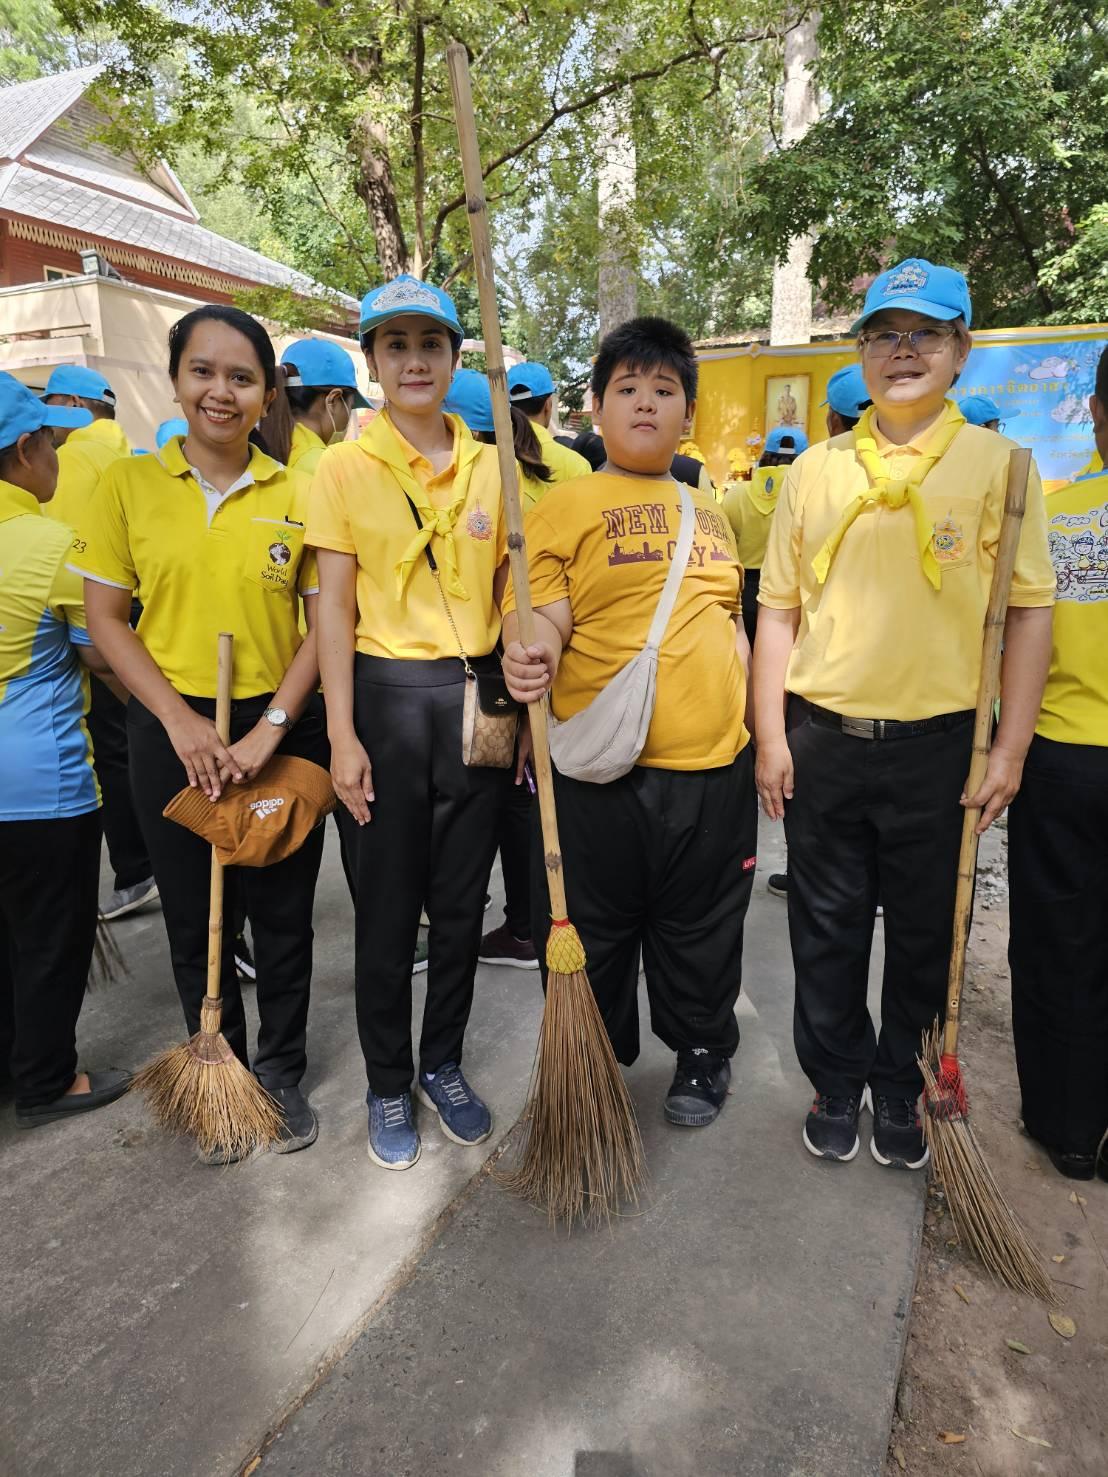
(278, 717)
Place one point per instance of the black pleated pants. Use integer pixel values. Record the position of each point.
(430, 842)
(514, 836)
(752, 579)
(1058, 870)
(107, 726)
(278, 898)
(659, 862)
(49, 879)
(869, 819)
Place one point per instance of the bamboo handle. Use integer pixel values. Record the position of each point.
(458, 62)
(215, 896)
(1015, 501)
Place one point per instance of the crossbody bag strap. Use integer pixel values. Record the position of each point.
(442, 593)
(677, 569)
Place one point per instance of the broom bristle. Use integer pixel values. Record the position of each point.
(202, 1089)
(982, 1217)
(582, 1155)
(108, 964)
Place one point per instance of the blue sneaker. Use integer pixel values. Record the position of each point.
(463, 1117)
(393, 1140)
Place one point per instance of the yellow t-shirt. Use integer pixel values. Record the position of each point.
(877, 640)
(749, 507)
(200, 569)
(306, 450)
(1075, 703)
(83, 458)
(358, 507)
(563, 461)
(605, 543)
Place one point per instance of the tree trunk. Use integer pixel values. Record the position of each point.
(791, 314)
(376, 187)
(618, 277)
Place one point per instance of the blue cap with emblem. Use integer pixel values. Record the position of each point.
(406, 294)
(22, 412)
(470, 397)
(776, 439)
(529, 382)
(846, 392)
(168, 429)
(921, 287)
(979, 410)
(313, 363)
(75, 379)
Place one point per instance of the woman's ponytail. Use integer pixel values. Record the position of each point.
(278, 424)
(528, 450)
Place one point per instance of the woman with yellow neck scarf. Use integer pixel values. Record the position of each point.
(873, 595)
(413, 560)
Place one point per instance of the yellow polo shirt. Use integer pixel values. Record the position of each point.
(239, 567)
(605, 543)
(83, 458)
(358, 507)
(877, 640)
(563, 461)
(748, 507)
(1075, 703)
(306, 450)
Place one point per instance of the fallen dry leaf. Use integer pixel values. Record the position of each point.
(1063, 1325)
(1034, 1440)
(898, 1457)
(1058, 1259)
(1015, 1345)
(1076, 1199)
(961, 1291)
(253, 1466)
(951, 1438)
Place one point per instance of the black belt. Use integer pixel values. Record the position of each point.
(441, 671)
(885, 728)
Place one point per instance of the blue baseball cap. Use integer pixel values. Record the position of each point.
(22, 412)
(920, 286)
(407, 294)
(86, 384)
(470, 397)
(529, 382)
(778, 435)
(979, 410)
(847, 393)
(168, 429)
(320, 365)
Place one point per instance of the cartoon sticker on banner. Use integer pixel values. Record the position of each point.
(948, 541)
(479, 524)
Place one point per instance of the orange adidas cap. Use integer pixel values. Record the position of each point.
(263, 821)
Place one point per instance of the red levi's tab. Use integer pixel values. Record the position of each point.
(749, 863)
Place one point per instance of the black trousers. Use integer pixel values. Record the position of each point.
(1058, 869)
(107, 726)
(871, 818)
(278, 899)
(659, 862)
(431, 840)
(514, 837)
(752, 579)
(49, 879)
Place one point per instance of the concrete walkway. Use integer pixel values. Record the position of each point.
(160, 1317)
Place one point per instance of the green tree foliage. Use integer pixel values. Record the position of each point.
(35, 41)
(970, 133)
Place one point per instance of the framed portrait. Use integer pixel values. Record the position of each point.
(787, 401)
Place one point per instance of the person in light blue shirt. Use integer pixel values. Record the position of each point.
(49, 799)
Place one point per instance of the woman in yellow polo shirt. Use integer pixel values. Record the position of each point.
(210, 533)
(413, 490)
(873, 596)
(1058, 851)
(321, 395)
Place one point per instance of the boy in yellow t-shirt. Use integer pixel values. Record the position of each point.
(874, 591)
(749, 507)
(1057, 858)
(660, 860)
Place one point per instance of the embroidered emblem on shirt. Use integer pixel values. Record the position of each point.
(279, 552)
(909, 278)
(948, 541)
(402, 294)
(479, 524)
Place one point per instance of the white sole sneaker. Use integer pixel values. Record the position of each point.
(899, 1163)
(428, 1102)
(823, 1154)
(139, 902)
(420, 967)
(510, 963)
(384, 1163)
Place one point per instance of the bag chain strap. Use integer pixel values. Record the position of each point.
(433, 565)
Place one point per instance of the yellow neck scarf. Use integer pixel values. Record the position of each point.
(763, 488)
(381, 440)
(894, 492)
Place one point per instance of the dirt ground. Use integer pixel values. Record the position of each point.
(1020, 1413)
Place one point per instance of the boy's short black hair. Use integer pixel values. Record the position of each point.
(645, 344)
(1100, 389)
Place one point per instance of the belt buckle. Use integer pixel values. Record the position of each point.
(864, 728)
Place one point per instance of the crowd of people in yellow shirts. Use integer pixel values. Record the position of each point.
(818, 649)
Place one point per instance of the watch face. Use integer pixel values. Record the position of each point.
(277, 716)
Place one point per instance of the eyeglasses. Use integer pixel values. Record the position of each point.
(920, 340)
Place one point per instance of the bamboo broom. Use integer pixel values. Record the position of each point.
(201, 1088)
(582, 1153)
(982, 1217)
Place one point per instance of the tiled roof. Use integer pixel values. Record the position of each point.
(86, 211)
(27, 109)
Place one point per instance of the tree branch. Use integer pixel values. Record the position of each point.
(1027, 248)
(419, 176)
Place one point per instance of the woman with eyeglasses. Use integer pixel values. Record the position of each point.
(873, 594)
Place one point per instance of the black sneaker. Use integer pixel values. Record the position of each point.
(778, 884)
(898, 1133)
(699, 1086)
(831, 1128)
(300, 1126)
(244, 961)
